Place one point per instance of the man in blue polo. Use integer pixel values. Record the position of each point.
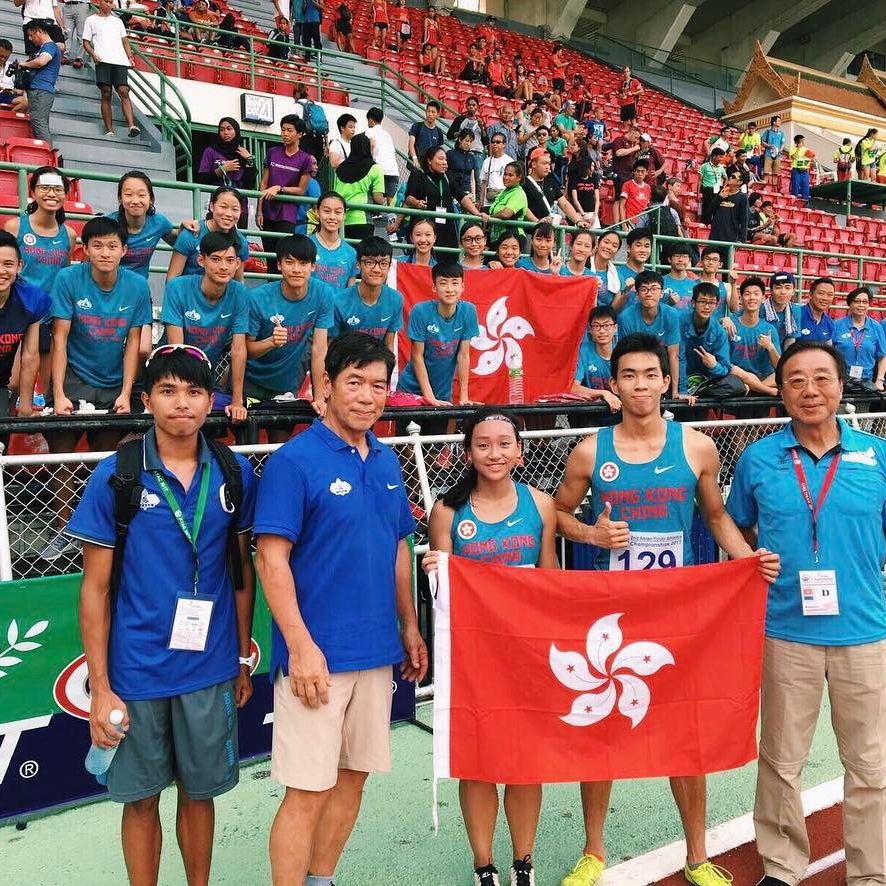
(332, 522)
(165, 652)
(815, 493)
(815, 323)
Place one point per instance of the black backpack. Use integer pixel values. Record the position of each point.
(128, 489)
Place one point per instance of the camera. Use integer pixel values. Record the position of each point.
(21, 77)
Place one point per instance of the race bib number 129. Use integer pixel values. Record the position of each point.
(648, 550)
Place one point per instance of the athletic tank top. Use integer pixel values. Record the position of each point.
(43, 256)
(514, 541)
(656, 498)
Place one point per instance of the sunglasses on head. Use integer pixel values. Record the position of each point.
(190, 350)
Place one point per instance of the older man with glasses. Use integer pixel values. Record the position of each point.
(815, 493)
(492, 171)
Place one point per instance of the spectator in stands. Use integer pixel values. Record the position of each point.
(712, 174)
(474, 70)
(230, 38)
(428, 188)
(312, 15)
(370, 306)
(425, 134)
(566, 122)
(511, 203)
(9, 93)
(750, 142)
(654, 160)
(580, 250)
(635, 198)
(223, 215)
(862, 343)
(440, 333)
(430, 36)
(74, 14)
(472, 238)
(431, 62)
(592, 373)
(673, 199)
(542, 259)
(336, 261)
(881, 167)
(227, 161)
(866, 155)
(203, 19)
(584, 191)
(763, 223)
(711, 264)
(506, 127)
(402, 24)
(815, 322)
(423, 237)
(557, 148)
(678, 284)
(306, 213)
(704, 349)
(625, 150)
(801, 159)
(23, 306)
(211, 312)
(287, 171)
(772, 141)
(380, 23)
(720, 142)
(544, 195)
(289, 323)
(844, 160)
(594, 123)
(492, 171)
(359, 180)
(604, 269)
(471, 122)
(340, 147)
(728, 212)
(629, 91)
(781, 308)
(663, 221)
(106, 43)
(383, 152)
(524, 88)
(344, 29)
(47, 13)
(754, 349)
(280, 39)
(741, 165)
(460, 162)
(44, 65)
(497, 75)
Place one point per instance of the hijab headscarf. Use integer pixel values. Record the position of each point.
(357, 164)
(228, 149)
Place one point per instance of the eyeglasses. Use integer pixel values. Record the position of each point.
(380, 263)
(190, 350)
(819, 380)
(650, 287)
(474, 238)
(602, 327)
(707, 302)
(50, 189)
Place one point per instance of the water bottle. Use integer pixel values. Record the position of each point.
(515, 378)
(98, 760)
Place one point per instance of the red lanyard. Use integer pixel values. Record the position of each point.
(857, 341)
(822, 495)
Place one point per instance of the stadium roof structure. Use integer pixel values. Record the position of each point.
(851, 192)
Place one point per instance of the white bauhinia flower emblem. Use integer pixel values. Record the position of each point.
(606, 682)
(500, 338)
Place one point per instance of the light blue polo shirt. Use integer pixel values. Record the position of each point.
(140, 247)
(352, 314)
(210, 326)
(335, 266)
(765, 492)
(860, 347)
(158, 568)
(665, 326)
(712, 338)
(283, 369)
(812, 330)
(527, 264)
(678, 293)
(188, 245)
(592, 371)
(100, 320)
(441, 338)
(345, 518)
(744, 351)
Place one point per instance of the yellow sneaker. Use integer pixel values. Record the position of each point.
(586, 872)
(708, 874)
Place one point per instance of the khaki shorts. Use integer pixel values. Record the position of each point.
(352, 731)
(771, 164)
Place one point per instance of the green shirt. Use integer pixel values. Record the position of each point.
(564, 122)
(556, 146)
(360, 192)
(510, 198)
(712, 176)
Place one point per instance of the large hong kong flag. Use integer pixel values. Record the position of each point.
(537, 319)
(556, 676)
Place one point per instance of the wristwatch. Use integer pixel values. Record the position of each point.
(250, 660)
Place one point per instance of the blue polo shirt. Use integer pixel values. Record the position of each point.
(45, 78)
(352, 314)
(345, 518)
(665, 326)
(188, 245)
(712, 338)
(592, 371)
(283, 369)
(860, 347)
(158, 568)
(208, 325)
(678, 293)
(441, 338)
(810, 330)
(140, 247)
(765, 492)
(745, 352)
(335, 266)
(100, 320)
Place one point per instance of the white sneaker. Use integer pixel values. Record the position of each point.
(522, 873)
(61, 544)
(486, 876)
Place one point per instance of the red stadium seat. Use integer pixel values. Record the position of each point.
(14, 124)
(31, 151)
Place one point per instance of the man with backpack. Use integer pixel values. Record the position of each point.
(166, 608)
(316, 130)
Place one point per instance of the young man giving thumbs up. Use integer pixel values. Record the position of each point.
(289, 322)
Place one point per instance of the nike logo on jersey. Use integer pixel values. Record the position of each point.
(125, 308)
(225, 316)
(385, 319)
(392, 485)
(458, 329)
(659, 470)
(514, 522)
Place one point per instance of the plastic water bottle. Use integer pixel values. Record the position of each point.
(515, 378)
(98, 760)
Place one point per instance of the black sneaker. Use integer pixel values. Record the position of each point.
(486, 876)
(522, 873)
(771, 881)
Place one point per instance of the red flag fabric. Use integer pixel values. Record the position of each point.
(537, 317)
(558, 676)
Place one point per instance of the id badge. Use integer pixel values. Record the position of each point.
(818, 592)
(648, 550)
(190, 626)
(855, 372)
(439, 220)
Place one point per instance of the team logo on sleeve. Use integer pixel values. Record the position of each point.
(149, 500)
(29, 239)
(466, 529)
(84, 304)
(353, 321)
(609, 471)
(192, 315)
(339, 486)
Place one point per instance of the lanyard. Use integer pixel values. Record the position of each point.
(189, 532)
(856, 342)
(439, 184)
(822, 495)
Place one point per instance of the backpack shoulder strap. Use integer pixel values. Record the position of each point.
(233, 478)
(128, 488)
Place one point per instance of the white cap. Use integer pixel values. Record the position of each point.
(646, 137)
(116, 717)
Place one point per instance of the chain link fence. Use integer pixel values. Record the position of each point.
(39, 492)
